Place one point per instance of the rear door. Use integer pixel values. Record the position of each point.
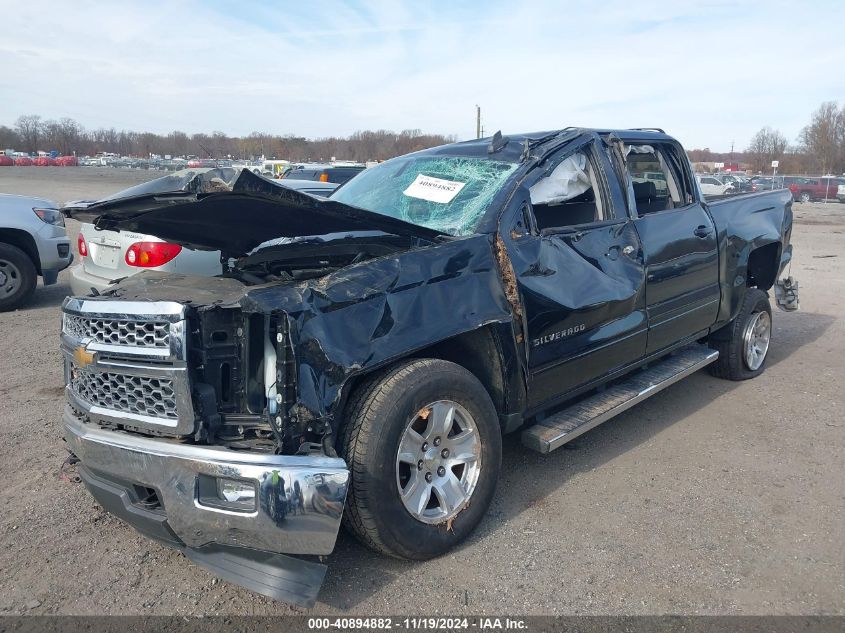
(679, 240)
(580, 275)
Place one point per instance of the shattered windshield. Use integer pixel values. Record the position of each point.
(446, 193)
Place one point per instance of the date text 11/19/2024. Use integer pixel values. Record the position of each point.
(415, 623)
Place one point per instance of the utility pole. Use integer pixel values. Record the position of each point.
(477, 121)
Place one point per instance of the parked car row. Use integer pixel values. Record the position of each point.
(126, 162)
(803, 188)
(740, 182)
(728, 183)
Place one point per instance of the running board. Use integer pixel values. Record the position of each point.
(560, 428)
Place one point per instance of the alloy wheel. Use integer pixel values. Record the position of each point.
(438, 462)
(755, 340)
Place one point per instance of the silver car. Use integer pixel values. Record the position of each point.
(107, 256)
(33, 243)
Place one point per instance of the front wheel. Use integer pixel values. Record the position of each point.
(423, 444)
(805, 196)
(17, 277)
(743, 344)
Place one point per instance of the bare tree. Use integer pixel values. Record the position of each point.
(8, 138)
(67, 134)
(767, 145)
(824, 138)
(700, 155)
(29, 128)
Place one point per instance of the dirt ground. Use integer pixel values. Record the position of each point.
(710, 498)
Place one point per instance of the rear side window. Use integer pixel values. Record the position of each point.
(659, 178)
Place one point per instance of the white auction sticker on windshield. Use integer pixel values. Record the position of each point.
(434, 189)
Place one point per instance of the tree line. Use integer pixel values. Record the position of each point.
(31, 133)
(819, 148)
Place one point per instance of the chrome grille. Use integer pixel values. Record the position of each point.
(125, 363)
(138, 395)
(155, 334)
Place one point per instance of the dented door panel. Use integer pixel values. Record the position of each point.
(583, 295)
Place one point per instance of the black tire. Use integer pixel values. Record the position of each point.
(729, 341)
(805, 197)
(378, 414)
(17, 277)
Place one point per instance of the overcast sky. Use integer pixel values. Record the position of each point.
(708, 72)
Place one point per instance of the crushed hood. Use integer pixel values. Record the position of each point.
(229, 210)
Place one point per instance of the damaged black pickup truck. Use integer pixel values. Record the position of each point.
(361, 356)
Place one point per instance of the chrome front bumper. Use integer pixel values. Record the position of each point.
(298, 499)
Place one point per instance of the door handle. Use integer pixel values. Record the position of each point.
(702, 231)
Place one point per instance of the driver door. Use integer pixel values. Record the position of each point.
(581, 276)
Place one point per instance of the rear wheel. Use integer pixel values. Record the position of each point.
(743, 344)
(17, 277)
(423, 444)
(805, 196)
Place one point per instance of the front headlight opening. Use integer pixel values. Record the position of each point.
(50, 216)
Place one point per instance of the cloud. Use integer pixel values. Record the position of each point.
(710, 73)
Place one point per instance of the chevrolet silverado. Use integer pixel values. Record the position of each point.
(359, 357)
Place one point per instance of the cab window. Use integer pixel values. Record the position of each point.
(570, 194)
(658, 177)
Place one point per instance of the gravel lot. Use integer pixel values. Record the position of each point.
(710, 498)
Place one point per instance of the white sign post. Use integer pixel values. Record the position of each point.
(775, 164)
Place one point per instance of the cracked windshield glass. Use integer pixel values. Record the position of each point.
(446, 193)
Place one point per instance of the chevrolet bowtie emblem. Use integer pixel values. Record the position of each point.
(83, 357)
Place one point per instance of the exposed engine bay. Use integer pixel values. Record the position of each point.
(297, 259)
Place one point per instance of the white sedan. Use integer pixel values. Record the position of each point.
(107, 256)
